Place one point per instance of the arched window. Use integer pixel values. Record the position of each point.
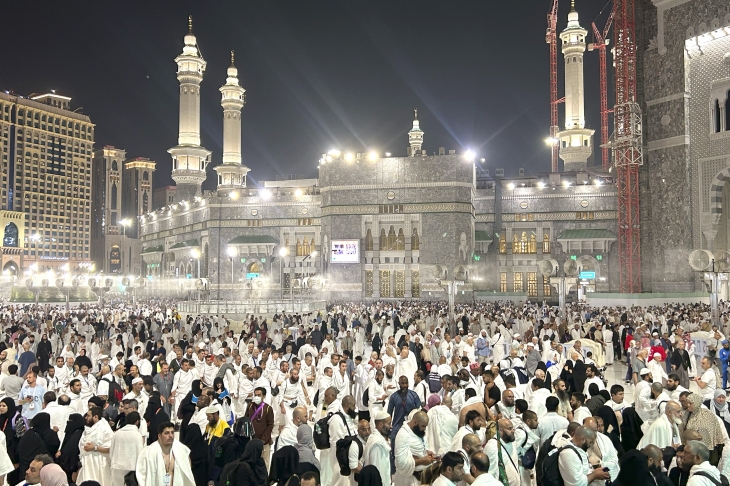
(299, 247)
(10, 236)
(415, 244)
(515, 243)
(503, 245)
(145, 176)
(523, 243)
(400, 243)
(311, 245)
(533, 243)
(391, 238)
(114, 196)
(115, 165)
(382, 241)
(305, 247)
(546, 243)
(145, 203)
(369, 241)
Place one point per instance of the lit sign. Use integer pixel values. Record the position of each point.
(243, 260)
(573, 257)
(587, 275)
(263, 260)
(250, 276)
(599, 257)
(345, 251)
(477, 258)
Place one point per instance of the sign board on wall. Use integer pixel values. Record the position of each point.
(345, 251)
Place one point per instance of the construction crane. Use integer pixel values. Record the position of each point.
(626, 144)
(551, 38)
(600, 45)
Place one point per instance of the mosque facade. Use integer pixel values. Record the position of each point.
(375, 226)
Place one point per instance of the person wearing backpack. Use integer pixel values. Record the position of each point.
(573, 468)
(696, 460)
(340, 425)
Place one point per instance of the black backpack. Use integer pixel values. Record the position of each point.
(321, 433)
(434, 382)
(116, 394)
(366, 396)
(342, 452)
(551, 468)
(722, 482)
(243, 427)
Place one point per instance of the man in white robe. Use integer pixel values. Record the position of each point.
(603, 448)
(338, 429)
(658, 369)
(664, 432)
(377, 450)
(406, 365)
(411, 451)
(94, 445)
(151, 464)
(538, 397)
(125, 447)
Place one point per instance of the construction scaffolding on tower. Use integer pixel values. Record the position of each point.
(626, 144)
(552, 40)
(601, 41)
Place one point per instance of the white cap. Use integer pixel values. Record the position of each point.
(103, 388)
(137, 380)
(381, 415)
(212, 409)
(644, 371)
(657, 355)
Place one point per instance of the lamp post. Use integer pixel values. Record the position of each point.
(283, 251)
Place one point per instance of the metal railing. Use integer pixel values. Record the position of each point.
(256, 307)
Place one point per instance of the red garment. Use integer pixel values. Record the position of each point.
(657, 349)
(627, 343)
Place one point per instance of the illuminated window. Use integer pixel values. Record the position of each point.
(369, 241)
(415, 244)
(391, 239)
(523, 243)
(533, 243)
(400, 243)
(502, 245)
(525, 217)
(532, 284)
(515, 243)
(546, 243)
(368, 283)
(305, 248)
(299, 247)
(547, 289)
(382, 241)
(503, 282)
(518, 284)
(400, 284)
(584, 215)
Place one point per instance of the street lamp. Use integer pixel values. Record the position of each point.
(283, 251)
(232, 252)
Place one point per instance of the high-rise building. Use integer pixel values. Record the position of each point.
(122, 190)
(46, 174)
(163, 196)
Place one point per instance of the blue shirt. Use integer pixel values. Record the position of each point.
(25, 359)
(398, 408)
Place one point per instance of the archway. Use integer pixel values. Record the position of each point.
(255, 267)
(10, 268)
(10, 235)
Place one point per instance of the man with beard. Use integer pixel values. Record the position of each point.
(474, 424)
(561, 391)
(506, 407)
(664, 431)
(603, 450)
(580, 412)
(674, 387)
(376, 394)
(401, 404)
(573, 464)
(655, 461)
(389, 384)
(95, 444)
(504, 453)
(339, 428)
(411, 456)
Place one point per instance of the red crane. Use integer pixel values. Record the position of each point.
(551, 39)
(626, 144)
(600, 45)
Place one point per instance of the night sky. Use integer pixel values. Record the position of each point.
(318, 74)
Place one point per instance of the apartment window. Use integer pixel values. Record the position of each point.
(503, 282)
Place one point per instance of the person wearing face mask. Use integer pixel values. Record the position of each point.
(377, 450)
(411, 455)
(262, 419)
(664, 431)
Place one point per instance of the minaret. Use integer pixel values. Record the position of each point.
(415, 136)
(189, 159)
(575, 140)
(232, 173)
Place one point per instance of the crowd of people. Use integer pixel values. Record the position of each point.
(402, 393)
